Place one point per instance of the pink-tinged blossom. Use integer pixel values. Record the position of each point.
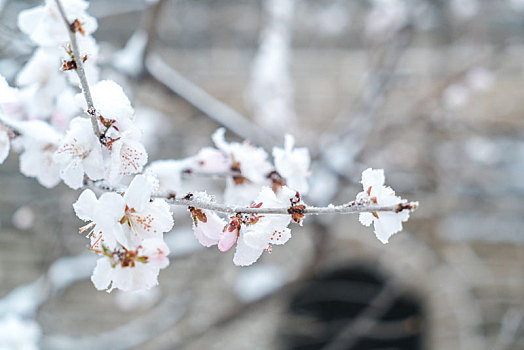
(375, 193)
(266, 230)
(45, 26)
(79, 153)
(213, 231)
(131, 270)
(39, 142)
(252, 161)
(293, 164)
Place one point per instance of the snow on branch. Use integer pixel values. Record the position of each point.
(125, 221)
(76, 63)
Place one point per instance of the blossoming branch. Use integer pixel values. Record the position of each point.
(41, 118)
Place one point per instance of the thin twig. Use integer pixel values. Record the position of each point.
(91, 111)
(193, 201)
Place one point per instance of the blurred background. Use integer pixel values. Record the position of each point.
(431, 91)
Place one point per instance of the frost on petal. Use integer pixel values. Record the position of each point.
(246, 255)
(208, 233)
(281, 236)
(4, 145)
(372, 177)
(258, 236)
(375, 193)
(387, 225)
(102, 274)
(85, 205)
(111, 102)
(365, 219)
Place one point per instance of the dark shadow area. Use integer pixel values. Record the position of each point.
(328, 311)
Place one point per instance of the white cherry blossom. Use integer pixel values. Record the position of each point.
(386, 223)
(267, 230)
(112, 104)
(39, 142)
(293, 164)
(131, 270)
(250, 160)
(103, 216)
(128, 156)
(41, 82)
(143, 217)
(45, 26)
(128, 219)
(79, 153)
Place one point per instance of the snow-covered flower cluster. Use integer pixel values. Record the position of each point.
(249, 168)
(253, 233)
(56, 142)
(41, 118)
(45, 91)
(128, 232)
(386, 223)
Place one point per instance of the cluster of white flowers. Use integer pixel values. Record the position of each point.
(126, 224)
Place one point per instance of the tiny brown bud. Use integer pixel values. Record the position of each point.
(76, 26)
(277, 180)
(68, 65)
(198, 215)
(297, 212)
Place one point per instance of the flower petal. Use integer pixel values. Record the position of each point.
(85, 206)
